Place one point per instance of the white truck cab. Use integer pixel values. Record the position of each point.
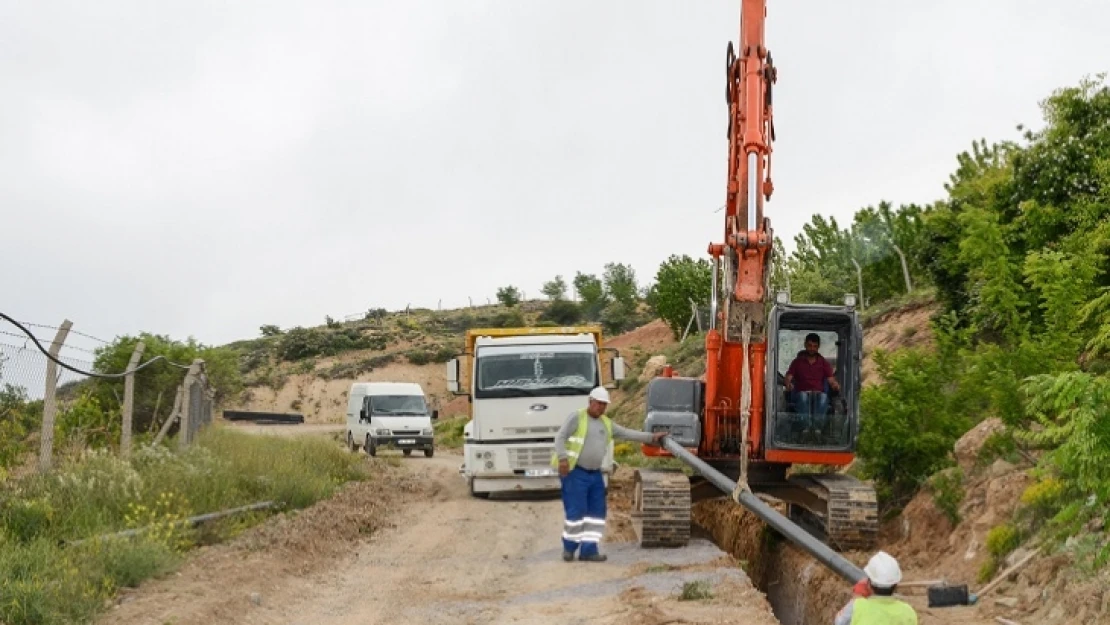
(522, 384)
(389, 414)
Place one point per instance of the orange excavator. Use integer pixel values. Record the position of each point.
(750, 418)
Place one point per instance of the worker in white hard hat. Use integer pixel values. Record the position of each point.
(874, 603)
(581, 446)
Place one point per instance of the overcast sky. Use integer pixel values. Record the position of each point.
(203, 168)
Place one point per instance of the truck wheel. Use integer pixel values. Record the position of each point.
(371, 448)
(407, 452)
(351, 446)
(428, 453)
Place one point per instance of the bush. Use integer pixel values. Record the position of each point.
(1001, 540)
(300, 343)
(562, 312)
(1045, 497)
(908, 426)
(509, 296)
(948, 493)
(449, 432)
(508, 319)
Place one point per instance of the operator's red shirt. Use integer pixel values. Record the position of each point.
(810, 376)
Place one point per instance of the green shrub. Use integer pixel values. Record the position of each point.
(696, 591)
(562, 312)
(1002, 539)
(948, 493)
(907, 427)
(449, 432)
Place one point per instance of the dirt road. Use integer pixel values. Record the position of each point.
(450, 558)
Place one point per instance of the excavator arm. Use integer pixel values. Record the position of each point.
(747, 247)
(749, 82)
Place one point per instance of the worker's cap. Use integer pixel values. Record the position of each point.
(883, 570)
(600, 394)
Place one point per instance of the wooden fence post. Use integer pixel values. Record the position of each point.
(129, 401)
(49, 400)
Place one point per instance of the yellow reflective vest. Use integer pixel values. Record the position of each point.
(576, 440)
(882, 611)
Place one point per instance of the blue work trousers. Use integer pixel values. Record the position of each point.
(584, 507)
(815, 406)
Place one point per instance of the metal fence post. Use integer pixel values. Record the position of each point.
(129, 400)
(49, 402)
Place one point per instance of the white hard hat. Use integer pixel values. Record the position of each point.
(600, 394)
(883, 570)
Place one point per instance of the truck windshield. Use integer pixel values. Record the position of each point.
(398, 405)
(536, 370)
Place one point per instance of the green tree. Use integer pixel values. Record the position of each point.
(556, 289)
(591, 294)
(508, 296)
(620, 284)
(679, 280)
(270, 330)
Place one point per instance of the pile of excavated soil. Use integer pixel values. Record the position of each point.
(651, 338)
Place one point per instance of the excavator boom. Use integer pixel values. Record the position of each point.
(742, 421)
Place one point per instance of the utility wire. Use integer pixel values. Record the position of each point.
(104, 376)
(55, 328)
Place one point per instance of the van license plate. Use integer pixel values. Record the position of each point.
(539, 472)
(406, 441)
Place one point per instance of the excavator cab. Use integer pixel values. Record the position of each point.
(825, 420)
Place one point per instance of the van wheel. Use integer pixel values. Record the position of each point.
(371, 448)
(407, 452)
(351, 446)
(428, 453)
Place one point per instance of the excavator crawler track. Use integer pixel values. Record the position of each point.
(661, 508)
(851, 521)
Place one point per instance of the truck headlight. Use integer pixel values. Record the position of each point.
(383, 432)
(427, 432)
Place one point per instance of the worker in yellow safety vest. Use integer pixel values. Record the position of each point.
(874, 602)
(580, 449)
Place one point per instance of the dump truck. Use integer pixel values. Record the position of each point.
(522, 384)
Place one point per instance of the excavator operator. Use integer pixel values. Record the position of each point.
(805, 381)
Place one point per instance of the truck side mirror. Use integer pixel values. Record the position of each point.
(453, 375)
(435, 415)
(618, 368)
(362, 414)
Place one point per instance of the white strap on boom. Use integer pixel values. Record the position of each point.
(745, 405)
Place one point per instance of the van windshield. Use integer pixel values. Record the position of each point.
(398, 405)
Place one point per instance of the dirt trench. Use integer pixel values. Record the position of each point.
(800, 590)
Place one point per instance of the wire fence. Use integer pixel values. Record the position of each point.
(45, 375)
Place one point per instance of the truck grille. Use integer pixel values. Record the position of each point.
(405, 432)
(529, 457)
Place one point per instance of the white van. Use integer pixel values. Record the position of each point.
(389, 414)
